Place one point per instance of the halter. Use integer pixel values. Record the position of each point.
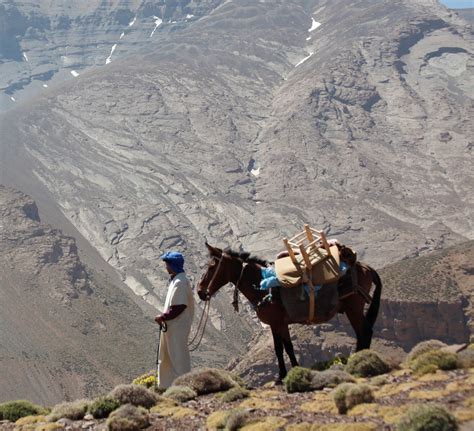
(214, 277)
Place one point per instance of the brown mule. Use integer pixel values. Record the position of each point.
(245, 273)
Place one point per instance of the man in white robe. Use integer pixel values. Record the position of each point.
(178, 315)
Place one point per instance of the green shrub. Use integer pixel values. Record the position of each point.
(348, 395)
(74, 410)
(423, 347)
(236, 420)
(366, 363)
(329, 379)
(298, 380)
(134, 394)
(102, 407)
(234, 394)
(466, 358)
(427, 418)
(180, 393)
(148, 380)
(128, 418)
(206, 381)
(228, 420)
(14, 410)
(239, 380)
(434, 358)
(326, 365)
(379, 380)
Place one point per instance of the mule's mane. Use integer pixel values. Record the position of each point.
(245, 257)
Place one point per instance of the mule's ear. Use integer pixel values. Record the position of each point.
(213, 251)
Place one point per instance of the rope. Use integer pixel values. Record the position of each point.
(200, 327)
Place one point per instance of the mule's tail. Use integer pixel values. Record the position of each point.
(373, 311)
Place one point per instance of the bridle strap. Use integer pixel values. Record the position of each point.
(215, 275)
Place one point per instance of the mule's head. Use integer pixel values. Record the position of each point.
(221, 269)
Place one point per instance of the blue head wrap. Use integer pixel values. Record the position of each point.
(175, 260)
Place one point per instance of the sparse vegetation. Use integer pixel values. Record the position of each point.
(424, 347)
(427, 418)
(227, 419)
(326, 365)
(74, 410)
(128, 418)
(466, 357)
(234, 394)
(348, 395)
(14, 410)
(329, 379)
(206, 380)
(236, 420)
(102, 407)
(134, 394)
(351, 405)
(298, 380)
(434, 359)
(379, 380)
(366, 363)
(180, 393)
(301, 379)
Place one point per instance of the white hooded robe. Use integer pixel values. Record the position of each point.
(174, 353)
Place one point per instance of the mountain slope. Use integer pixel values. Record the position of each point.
(65, 332)
(227, 129)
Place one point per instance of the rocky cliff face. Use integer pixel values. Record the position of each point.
(43, 42)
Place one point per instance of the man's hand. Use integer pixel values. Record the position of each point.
(159, 320)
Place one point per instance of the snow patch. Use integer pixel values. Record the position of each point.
(74, 73)
(13, 99)
(45, 85)
(158, 22)
(132, 21)
(25, 56)
(304, 59)
(109, 58)
(308, 38)
(189, 16)
(122, 35)
(255, 172)
(314, 25)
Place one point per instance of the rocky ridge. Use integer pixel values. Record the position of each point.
(43, 43)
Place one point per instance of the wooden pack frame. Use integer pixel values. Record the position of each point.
(314, 260)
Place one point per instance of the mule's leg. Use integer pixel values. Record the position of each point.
(290, 351)
(361, 326)
(278, 343)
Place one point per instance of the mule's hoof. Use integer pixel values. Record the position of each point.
(278, 382)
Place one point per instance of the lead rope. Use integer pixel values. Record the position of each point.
(205, 312)
(200, 328)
